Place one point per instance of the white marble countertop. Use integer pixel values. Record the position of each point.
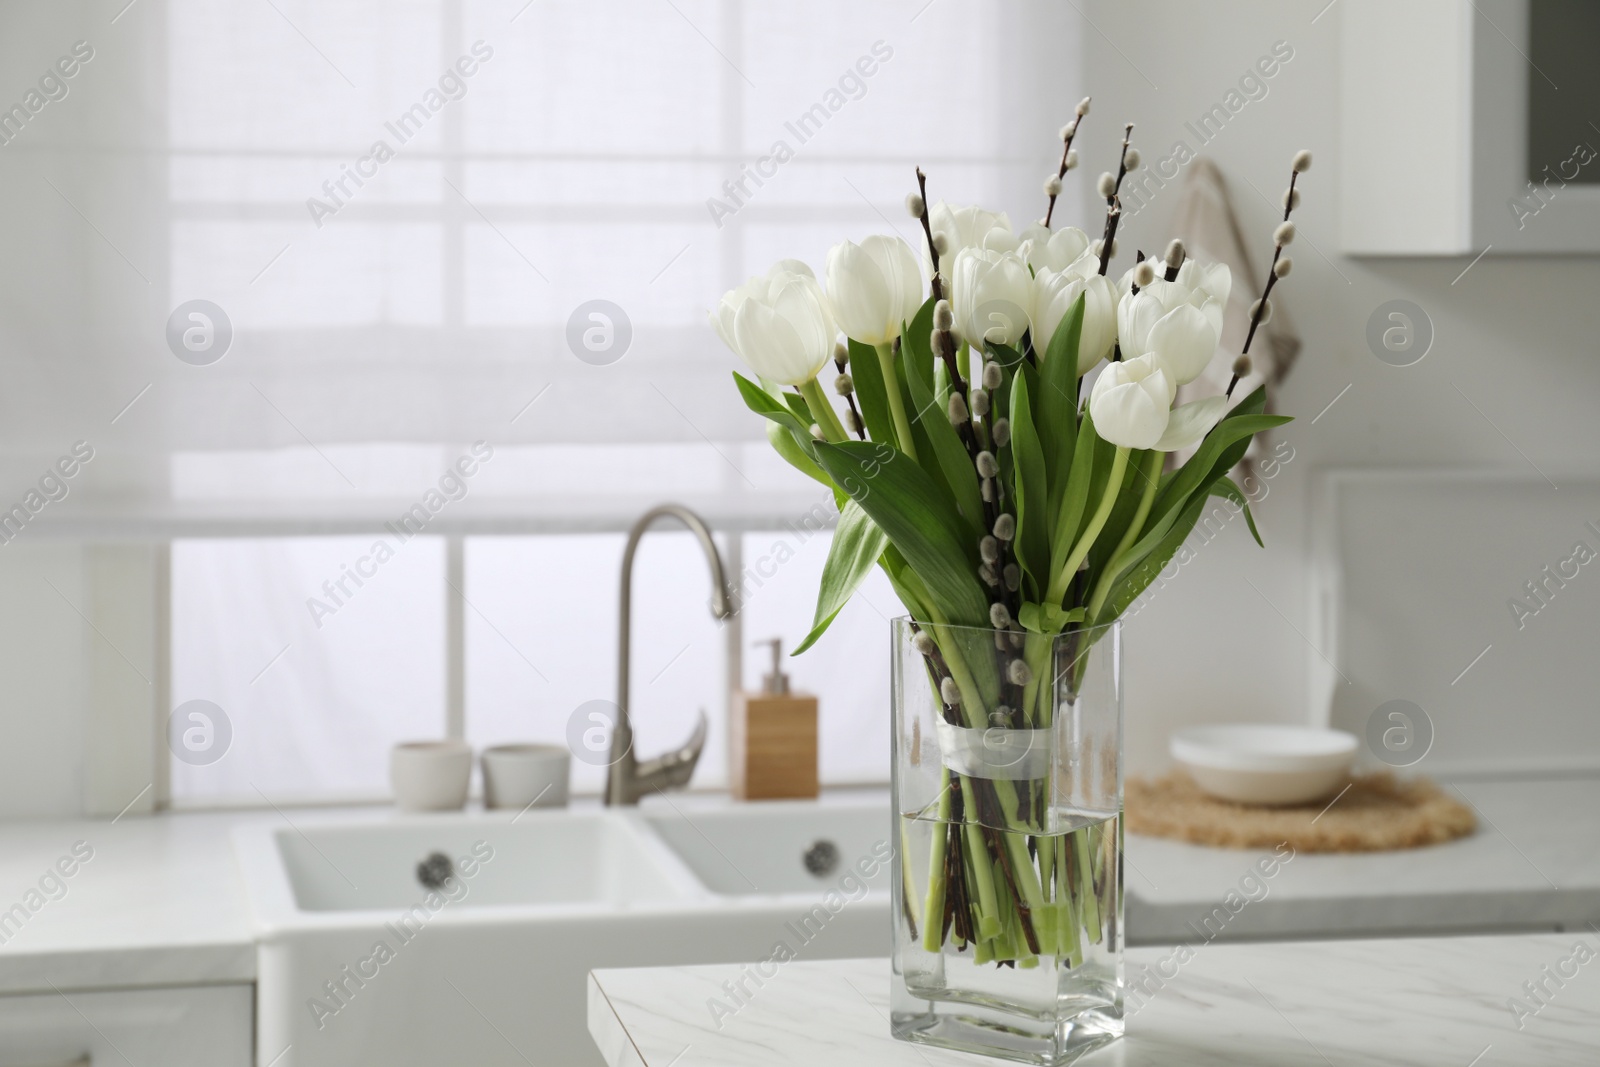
(157, 902)
(161, 900)
(1533, 865)
(1440, 1001)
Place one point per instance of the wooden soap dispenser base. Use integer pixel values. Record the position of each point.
(772, 738)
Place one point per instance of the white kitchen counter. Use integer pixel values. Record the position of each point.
(1437, 1001)
(1533, 865)
(159, 902)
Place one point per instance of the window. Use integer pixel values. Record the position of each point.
(393, 305)
(312, 700)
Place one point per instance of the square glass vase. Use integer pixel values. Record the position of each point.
(1007, 794)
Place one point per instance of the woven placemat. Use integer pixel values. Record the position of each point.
(1375, 813)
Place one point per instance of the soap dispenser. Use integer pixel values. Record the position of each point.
(772, 738)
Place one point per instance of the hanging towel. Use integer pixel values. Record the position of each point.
(1204, 218)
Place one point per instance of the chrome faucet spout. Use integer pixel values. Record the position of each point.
(628, 778)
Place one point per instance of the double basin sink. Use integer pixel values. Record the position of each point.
(466, 938)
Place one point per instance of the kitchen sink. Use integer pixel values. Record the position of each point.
(780, 847)
(467, 937)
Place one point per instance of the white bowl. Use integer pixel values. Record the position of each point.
(523, 776)
(430, 775)
(1260, 763)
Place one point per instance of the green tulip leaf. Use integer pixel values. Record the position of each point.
(1031, 487)
(917, 517)
(1137, 580)
(1225, 488)
(916, 343)
(871, 396)
(857, 546)
(767, 406)
(787, 445)
(1075, 496)
(1055, 403)
(945, 456)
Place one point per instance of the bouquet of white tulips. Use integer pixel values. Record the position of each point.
(967, 460)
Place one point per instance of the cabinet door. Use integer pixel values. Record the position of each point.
(199, 1026)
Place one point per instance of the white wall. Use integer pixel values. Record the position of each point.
(1516, 335)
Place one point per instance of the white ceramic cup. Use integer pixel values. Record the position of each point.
(521, 776)
(430, 775)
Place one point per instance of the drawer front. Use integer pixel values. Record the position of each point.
(197, 1026)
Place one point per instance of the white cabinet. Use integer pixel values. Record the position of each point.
(195, 1026)
(1469, 126)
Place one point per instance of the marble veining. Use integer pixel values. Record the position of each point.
(1443, 1001)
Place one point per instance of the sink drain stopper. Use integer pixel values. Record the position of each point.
(821, 857)
(435, 870)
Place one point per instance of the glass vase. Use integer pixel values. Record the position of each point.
(1007, 793)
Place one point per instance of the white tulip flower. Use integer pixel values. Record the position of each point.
(1132, 402)
(991, 293)
(970, 227)
(1053, 294)
(779, 324)
(1180, 327)
(1057, 250)
(873, 287)
(722, 315)
(1190, 422)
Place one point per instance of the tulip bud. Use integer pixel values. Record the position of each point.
(1143, 274)
(1002, 432)
(1019, 672)
(943, 317)
(941, 243)
(1130, 159)
(992, 375)
(873, 288)
(949, 692)
(1284, 234)
(1052, 186)
(1072, 158)
(1107, 185)
(1005, 527)
(1241, 367)
(1083, 107)
(999, 617)
(989, 550)
(1302, 161)
(843, 385)
(987, 467)
(1264, 309)
(980, 402)
(1013, 577)
(1283, 266)
(924, 644)
(1069, 130)
(958, 410)
(1175, 254)
(1291, 199)
(915, 205)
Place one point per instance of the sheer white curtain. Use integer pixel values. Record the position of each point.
(212, 151)
(405, 212)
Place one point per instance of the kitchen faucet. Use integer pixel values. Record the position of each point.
(627, 778)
